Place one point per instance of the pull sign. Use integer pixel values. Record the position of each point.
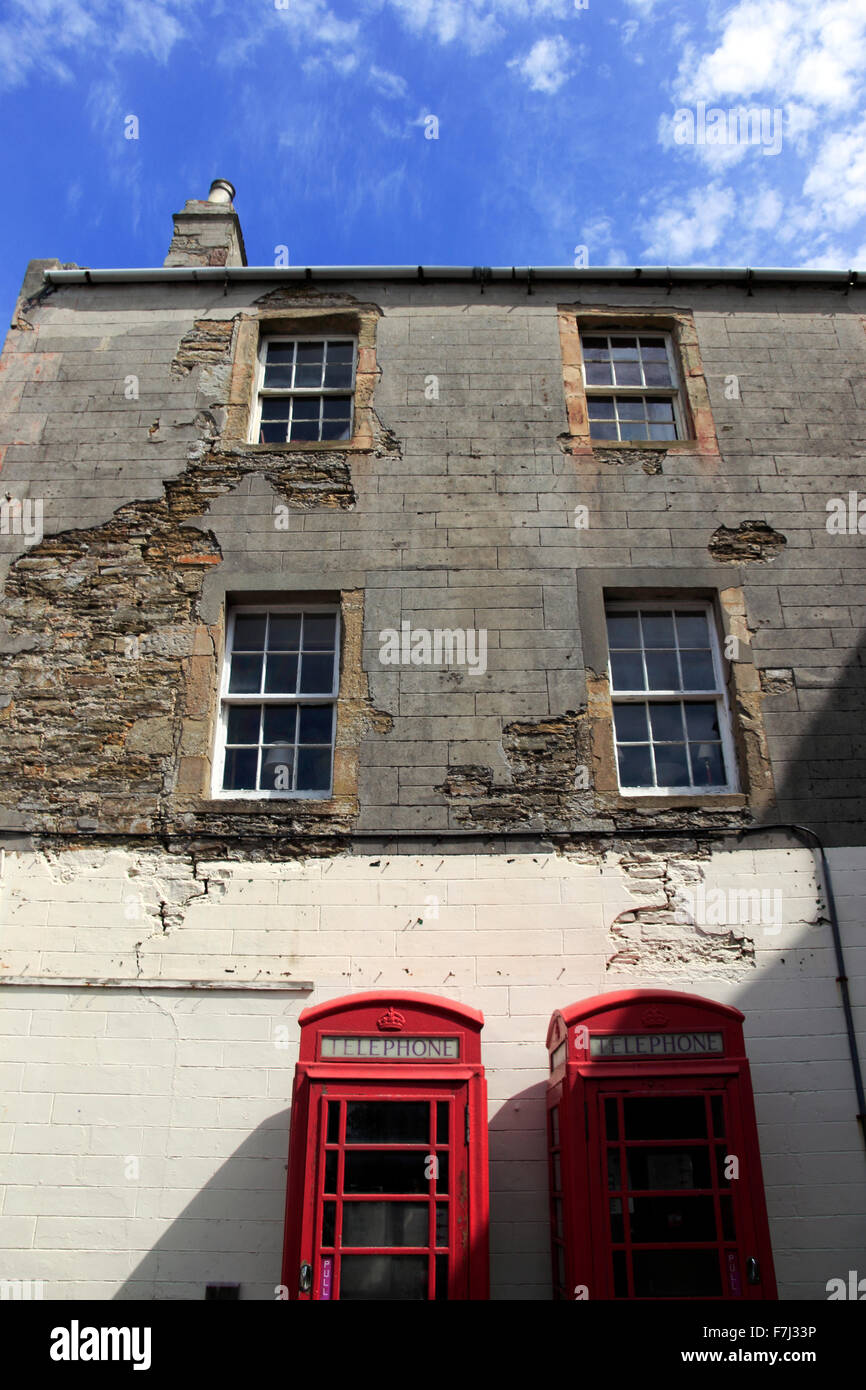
(327, 1274)
(734, 1275)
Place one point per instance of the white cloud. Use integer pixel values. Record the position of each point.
(675, 235)
(766, 210)
(545, 66)
(37, 34)
(836, 183)
(813, 53)
(388, 83)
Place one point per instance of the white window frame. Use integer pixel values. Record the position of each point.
(719, 695)
(229, 699)
(672, 392)
(282, 393)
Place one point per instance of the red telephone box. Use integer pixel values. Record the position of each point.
(387, 1194)
(655, 1171)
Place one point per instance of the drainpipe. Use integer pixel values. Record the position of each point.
(813, 841)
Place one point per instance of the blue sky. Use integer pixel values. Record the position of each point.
(557, 129)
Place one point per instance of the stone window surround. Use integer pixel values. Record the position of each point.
(294, 322)
(199, 730)
(694, 396)
(755, 778)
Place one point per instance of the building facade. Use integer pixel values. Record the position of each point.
(494, 636)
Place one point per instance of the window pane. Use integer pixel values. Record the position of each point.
(279, 726)
(319, 633)
(667, 721)
(329, 1223)
(306, 407)
(661, 668)
(598, 374)
(314, 771)
(333, 1121)
(601, 408)
(331, 1160)
(385, 1170)
(653, 350)
(336, 429)
(698, 671)
(309, 361)
(281, 673)
(240, 769)
(624, 349)
(246, 674)
(338, 374)
(273, 432)
(386, 1223)
(305, 431)
(278, 765)
(635, 430)
(630, 722)
(668, 1168)
(317, 674)
(627, 670)
(622, 630)
(442, 1121)
(441, 1231)
(284, 632)
(278, 376)
(672, 768)
(673, 1219)
(276, 409)
(702, 721)
(383, 1278)
(660, 410)
(708, 764)
(665, 1117)
(630, 410)
(635, 768)
(595, 347)
(663, 431)
(387, 1122)
(658, 629)
(692, 630)
(249, 632)
(316, 723)
(603, 429)
(243, 724)
(280, 352)
(628, 374)
(676, 1274)
(341, 352)
(657, 374)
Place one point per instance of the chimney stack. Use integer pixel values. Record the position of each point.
(208, 232)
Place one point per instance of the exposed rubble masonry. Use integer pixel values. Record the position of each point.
(750, 541)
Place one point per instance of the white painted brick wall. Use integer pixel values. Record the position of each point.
(193, 1087)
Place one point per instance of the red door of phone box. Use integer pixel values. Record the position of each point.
(387, 1195)
(654, 1165)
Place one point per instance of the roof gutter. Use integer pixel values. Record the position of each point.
(652, 275)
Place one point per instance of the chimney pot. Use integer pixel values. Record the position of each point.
(221, 191)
